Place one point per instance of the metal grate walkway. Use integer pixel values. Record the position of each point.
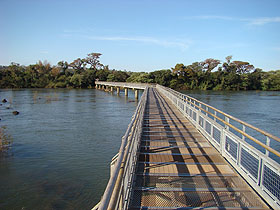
(178, 168)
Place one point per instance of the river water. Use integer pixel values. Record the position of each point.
(63, 140)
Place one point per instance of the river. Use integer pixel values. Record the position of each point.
(63, 140)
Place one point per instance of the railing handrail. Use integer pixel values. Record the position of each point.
(126, 84)
(122, 156)
(259, 169)
(225, 114)
(240, 131)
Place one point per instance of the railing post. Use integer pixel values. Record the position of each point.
(223, 140)
(227, 120)
(268, 144)
(215, 113)
(244, 130)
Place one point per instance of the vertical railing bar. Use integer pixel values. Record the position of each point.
(227, 120)
(261, 173)
(244, 130)
(215, 113)
(268, 144)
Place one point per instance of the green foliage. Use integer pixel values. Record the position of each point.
(117, 76)
(140, 77)
(76, 80)
(82, 73)
(161, 77)
(271, 80)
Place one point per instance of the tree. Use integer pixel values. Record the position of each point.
(63, 65)
(243, 67)
(78, 65)
(162, 77)
(209, 64)
(139, 77)
(88, 79)
(271, 80)
(93, 60)
(55, 72)
(228, 59)
(76, 80)
(255, 79)
(102, 74)
(117, 76)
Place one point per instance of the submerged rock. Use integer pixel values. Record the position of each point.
(15, 112)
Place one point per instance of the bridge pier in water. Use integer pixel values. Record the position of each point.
(125, 91)
(110, 88)
(136, 93)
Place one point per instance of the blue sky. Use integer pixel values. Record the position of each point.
(142, 35)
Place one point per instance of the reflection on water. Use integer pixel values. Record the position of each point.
(63, 141)
(5, 140)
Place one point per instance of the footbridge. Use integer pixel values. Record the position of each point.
(180, 153)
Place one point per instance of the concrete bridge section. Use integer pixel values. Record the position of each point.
(179, 153)
(111, 86)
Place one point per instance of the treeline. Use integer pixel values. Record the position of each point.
(210, 74)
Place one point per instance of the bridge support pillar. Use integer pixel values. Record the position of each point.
(118, 90)
(136, 94)
(125, 91)
(112, 89)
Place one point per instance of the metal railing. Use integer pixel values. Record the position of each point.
(237, 142)
(118, 190)
(125, 84)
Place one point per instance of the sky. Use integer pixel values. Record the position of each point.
(140, 35)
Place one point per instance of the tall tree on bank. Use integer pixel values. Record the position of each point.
(78, 65)
(93, 60)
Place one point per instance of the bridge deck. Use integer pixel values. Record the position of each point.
(178, 167)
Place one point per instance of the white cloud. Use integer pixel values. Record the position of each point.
(44, 52)
(208, 17)
(251, 21)
(264, 20)
(166, 43)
